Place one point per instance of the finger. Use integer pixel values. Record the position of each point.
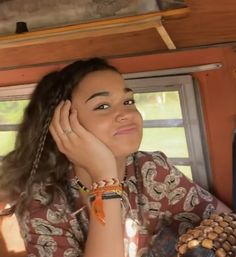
(55, 123)
(64, 117)
(56, 138)
(75, 124)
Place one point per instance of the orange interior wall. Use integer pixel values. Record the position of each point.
(217, 90)
(218, 95)
(219, 100)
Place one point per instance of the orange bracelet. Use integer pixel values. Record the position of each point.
(97, 204)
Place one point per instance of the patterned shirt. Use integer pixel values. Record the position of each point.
(158, 204)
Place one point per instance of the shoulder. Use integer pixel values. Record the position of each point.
(156, 166)
(149, 155)
(156, 157)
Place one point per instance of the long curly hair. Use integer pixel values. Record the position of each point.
(36, 158)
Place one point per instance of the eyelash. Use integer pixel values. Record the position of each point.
(127, 102)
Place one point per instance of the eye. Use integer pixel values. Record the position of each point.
(129, 102)
(102, 107)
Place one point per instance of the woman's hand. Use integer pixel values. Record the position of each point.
(80, 146)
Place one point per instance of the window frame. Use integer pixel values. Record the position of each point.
(145, 82)
(14, 93)
(191, 111)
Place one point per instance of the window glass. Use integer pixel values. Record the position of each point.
(7, 139)
(159, 105)
(186, 170)
(171, 123)
(11, 112)
(171, 141)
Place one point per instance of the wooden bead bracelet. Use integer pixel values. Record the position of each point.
(217, 233)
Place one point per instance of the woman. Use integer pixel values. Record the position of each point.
(68, 184)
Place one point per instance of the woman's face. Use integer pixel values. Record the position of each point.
(106, 108)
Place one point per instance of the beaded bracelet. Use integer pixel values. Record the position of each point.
(102, 183)
(76, 184)
(102, 190)
(217, 233)
(106, 182)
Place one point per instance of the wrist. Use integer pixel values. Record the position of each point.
(106, 189)
(101, 172)
(104, 176)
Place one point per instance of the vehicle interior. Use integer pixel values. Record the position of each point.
(179, 57)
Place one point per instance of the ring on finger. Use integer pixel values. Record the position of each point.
(67, 131)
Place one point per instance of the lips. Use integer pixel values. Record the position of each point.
(126, 130)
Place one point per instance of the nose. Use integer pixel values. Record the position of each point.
(122, 114)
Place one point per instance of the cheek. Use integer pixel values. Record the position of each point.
(97, 126)
(139, 122)
(138, 119)
(102, 130)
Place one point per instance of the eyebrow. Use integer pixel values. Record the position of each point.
(106, 93)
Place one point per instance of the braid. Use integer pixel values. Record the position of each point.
(24, 197)
(36, 158)
(43, 137)
(62, 92)
(39, 151)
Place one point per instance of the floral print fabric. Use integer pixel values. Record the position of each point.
(156, 196)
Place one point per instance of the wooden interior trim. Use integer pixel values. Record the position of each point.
(94, 28)
(165, 36)
(17, 91)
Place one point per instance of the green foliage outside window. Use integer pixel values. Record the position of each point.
(7, 139)
(171, 141)
(11, 112)
(159, 105)
(152, 106)
(164, 105)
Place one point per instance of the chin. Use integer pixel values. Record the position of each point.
(126, 150)
(125, 146)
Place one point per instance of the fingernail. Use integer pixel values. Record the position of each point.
(67, 101)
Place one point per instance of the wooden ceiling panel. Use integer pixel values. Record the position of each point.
(209, 22)
(112, 45)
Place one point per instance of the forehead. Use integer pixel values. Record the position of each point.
(106, 80)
